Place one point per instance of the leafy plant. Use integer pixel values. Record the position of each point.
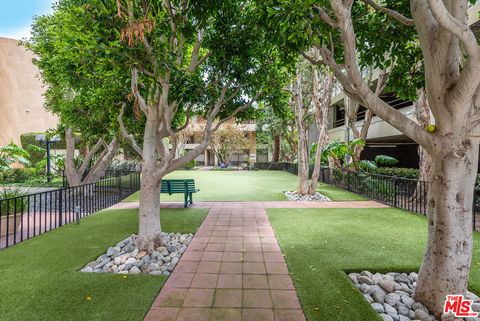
(368, 166)
(399, 172)
(341, 152)
(190, 165)
(13, 153)
(377, 185)
(385, 160)
(12, 206)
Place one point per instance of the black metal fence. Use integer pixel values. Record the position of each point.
(26, 216)
(109, 173)
(404, 193)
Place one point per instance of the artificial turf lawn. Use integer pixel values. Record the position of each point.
(39, 279)
(320, 244)
(245, 186)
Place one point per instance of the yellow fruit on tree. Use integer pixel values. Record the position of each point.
(431, 128)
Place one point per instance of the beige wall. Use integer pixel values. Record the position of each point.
(21, 100)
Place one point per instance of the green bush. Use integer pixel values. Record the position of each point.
(190, 165)
(377, 186)
(29, 143)
(13, 206)
(18, 175)
(385, 160)
(398, 171)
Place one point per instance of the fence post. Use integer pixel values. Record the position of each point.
(60, 207)
(348, 180)
(395, 191)
(119, 181)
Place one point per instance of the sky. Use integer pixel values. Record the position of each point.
(16, 16)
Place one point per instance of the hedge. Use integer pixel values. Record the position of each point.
(28, 139)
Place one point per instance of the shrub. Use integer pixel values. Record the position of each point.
(413, 173)
(37, 149)
(12, 206)
(190, 165)
(385, 160)
(18, 175)
(368, 166)
(377, 186)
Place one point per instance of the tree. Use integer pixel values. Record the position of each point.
(322, 98)
(81, 93)
(302, 91)
(277, 125)
(227, 140)
(167, 61)
(86, 173)
(311, 97)
(190, 57)
(451, 57)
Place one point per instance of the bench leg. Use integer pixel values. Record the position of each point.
(191, 198)
(185, 203)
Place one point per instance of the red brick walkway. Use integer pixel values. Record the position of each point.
(233, 269)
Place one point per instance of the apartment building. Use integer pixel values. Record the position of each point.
(208, 158)
(382, 138)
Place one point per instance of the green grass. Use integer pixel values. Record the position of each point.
(40, 279)
(320, 244)
(245, 186)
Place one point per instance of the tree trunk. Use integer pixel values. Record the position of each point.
(322, 98)
(302, 163)
(149, 229)
(422, 114)
(276, 149)
(149, 232)
(446, 265)
(312, 188)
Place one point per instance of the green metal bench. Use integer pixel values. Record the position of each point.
(180, 186)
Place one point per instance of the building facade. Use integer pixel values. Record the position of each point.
(21, 94)
(209, 158)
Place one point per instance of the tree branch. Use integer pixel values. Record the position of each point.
(89, 156)
(389, 12)
(325, 17)
(194, 61)
(468, 80)
(126, 135)
(356, 82)
(136, 94)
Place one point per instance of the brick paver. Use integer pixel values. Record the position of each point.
(234, 268)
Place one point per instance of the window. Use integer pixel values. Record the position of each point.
(338, 116)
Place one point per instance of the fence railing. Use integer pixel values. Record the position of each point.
(26, 216)
(404, 193)
(109, 173)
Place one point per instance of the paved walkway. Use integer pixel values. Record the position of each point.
(269, 204)
(233, 270)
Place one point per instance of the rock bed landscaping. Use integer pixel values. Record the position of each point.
(390, 295)
(125, 258)
(294, 196)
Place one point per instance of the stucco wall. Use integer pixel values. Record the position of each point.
(21, 100)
